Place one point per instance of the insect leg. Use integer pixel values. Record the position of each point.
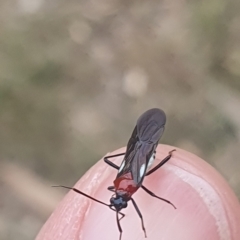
(122, 214)
(111, 163)
(140, 215)
(84, 194)
(111, 188)
(153, 195)
(167, 158)
(119, 226)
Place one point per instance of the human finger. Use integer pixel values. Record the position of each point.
(206, 206)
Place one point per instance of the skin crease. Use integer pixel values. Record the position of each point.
(206, 206)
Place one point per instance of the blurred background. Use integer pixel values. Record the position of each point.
(76, 75)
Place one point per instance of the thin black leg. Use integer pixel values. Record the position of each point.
(84, 194)
(122, 214)
(153, 195)
(111, 188)
(140, 215)
(94, 199)
(111, 163)
(167, 158)
(119, 226)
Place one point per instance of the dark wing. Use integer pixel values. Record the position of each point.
(150, 125)
(142, 144)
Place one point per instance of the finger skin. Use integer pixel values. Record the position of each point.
(206, 206)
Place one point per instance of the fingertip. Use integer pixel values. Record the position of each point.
(206, 206)
(203, 198)
(66, 222)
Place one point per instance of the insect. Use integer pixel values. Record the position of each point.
(138, 158)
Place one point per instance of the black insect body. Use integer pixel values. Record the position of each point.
(138, 158)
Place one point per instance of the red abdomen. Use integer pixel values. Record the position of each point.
(125, 185)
